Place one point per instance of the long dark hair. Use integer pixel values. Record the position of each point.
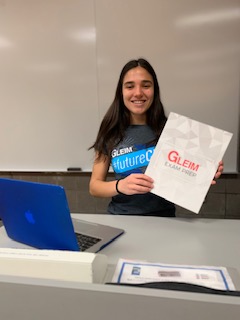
(117, 117)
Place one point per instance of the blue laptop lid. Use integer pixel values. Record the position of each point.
(37, 214)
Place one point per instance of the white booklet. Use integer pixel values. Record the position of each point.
(185, 160)
(137, 272)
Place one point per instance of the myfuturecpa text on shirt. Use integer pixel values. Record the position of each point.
(185, 160)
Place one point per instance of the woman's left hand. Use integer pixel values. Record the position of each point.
(219, 172)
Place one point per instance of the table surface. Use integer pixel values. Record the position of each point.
(212, 242)
(164, 240)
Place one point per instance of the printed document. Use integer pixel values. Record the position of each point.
(185, 160)
(137, 272)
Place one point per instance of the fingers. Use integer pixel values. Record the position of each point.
(219, 172)
(140, 183)
(142, 179)
(136, 184)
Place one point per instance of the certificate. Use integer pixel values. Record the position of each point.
(138, 272)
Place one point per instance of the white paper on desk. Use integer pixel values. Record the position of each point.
(137, 272)
(185, 160)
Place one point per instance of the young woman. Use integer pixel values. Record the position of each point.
(126, 139)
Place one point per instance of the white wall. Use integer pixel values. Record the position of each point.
(60, 61)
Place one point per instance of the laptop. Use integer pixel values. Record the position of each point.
(38, 215)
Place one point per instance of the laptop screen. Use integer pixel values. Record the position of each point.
(38, 215)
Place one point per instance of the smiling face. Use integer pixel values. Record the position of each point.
(138, 93)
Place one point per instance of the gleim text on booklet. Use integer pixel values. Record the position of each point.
(185, 160)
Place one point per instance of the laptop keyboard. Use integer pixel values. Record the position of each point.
(85, 241)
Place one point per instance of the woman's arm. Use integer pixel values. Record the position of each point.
(98, 186)
(132, 184)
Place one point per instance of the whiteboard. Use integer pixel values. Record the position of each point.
(60, 61)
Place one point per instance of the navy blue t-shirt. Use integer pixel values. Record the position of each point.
(132, 155)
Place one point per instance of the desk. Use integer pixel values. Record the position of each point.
(167, 240)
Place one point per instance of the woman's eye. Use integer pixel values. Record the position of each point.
(146, 84)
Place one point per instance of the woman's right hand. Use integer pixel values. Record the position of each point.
(135, 183)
